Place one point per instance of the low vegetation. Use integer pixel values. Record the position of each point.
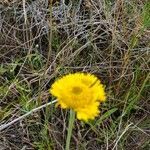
(41, 41)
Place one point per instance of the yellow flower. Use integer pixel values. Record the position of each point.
(81, 92)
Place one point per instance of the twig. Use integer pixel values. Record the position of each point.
(24, 11)
(127, 127)
(4, 126)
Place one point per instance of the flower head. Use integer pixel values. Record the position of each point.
(81, 92)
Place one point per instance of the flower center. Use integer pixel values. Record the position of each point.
(76, 90)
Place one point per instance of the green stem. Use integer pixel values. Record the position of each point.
(70, 127)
